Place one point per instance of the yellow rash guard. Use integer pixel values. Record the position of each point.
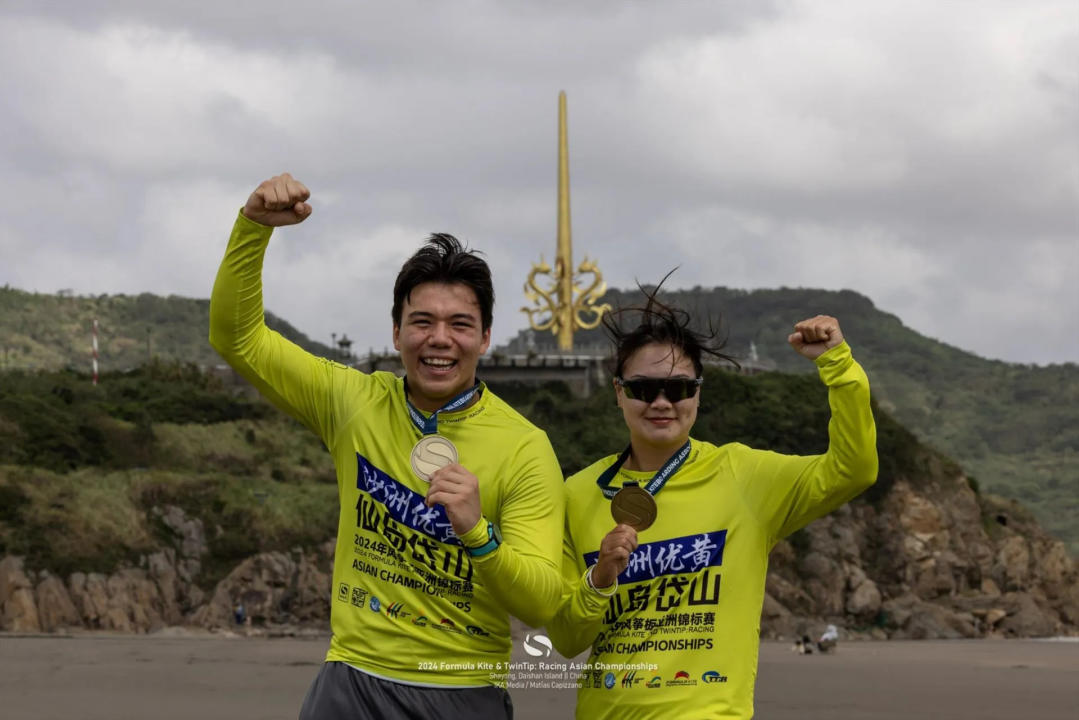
(680, 636)
(408, 602)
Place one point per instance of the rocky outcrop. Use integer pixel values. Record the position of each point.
(18, 608)
(189, 542)
(272, 588)
(933, 560)
(56, 611)
(162, 591)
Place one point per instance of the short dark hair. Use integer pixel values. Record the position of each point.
(631, 328)
(443, 259)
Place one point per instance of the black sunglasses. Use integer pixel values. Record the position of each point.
(648, 389)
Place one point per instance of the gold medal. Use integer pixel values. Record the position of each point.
(634, 506)
(431, 453)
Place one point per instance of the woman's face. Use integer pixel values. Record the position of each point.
(660, 424)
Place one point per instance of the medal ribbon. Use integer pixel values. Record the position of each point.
(429, 425)
(655, 484)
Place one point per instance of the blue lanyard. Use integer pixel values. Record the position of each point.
(658, 480)
(429, 425)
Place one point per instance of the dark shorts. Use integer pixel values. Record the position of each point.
(344, 693)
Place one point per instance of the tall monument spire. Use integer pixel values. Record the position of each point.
(562, 314)
(564, 259)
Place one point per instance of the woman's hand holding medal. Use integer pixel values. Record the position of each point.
(456, 489)
(614, 554)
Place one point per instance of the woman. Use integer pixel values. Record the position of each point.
(669, 597)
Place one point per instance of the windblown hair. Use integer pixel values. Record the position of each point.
(632, 328)
(444, 260)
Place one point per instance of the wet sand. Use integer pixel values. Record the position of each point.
(99, 677)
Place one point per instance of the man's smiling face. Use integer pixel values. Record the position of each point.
(440, 338)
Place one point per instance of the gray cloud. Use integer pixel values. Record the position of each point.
(924, 154)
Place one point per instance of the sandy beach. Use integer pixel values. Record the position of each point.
(94, 676)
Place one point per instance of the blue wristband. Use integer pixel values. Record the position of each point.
(494, 539)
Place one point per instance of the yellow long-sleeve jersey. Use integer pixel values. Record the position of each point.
(408, 602)
(680, 637)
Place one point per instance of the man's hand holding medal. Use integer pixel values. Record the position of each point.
(456, 489)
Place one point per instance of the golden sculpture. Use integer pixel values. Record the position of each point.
(571, 304)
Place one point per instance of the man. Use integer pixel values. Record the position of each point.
(430, 467)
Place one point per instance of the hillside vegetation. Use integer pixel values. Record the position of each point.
(1013, 428)
(52, 332)
(82, 468)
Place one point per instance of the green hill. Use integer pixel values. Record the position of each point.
(1014, 428)
(50, 332)
(82, 468)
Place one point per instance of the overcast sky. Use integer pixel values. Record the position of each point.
(925, 154)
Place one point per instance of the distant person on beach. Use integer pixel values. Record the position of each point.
(651, 532)
(829, 639)
(451, 506)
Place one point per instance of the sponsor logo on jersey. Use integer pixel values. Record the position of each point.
(359, 595)
(713, 677)
(630, 679)
(476, 630)
(654, 682)
(608, 680)
(681, 678)
(375, 604)
(449, 626)
(342, 592)
(675, 556)
(403, 504)
(420, 620)
(537, 645)
(394, 610)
